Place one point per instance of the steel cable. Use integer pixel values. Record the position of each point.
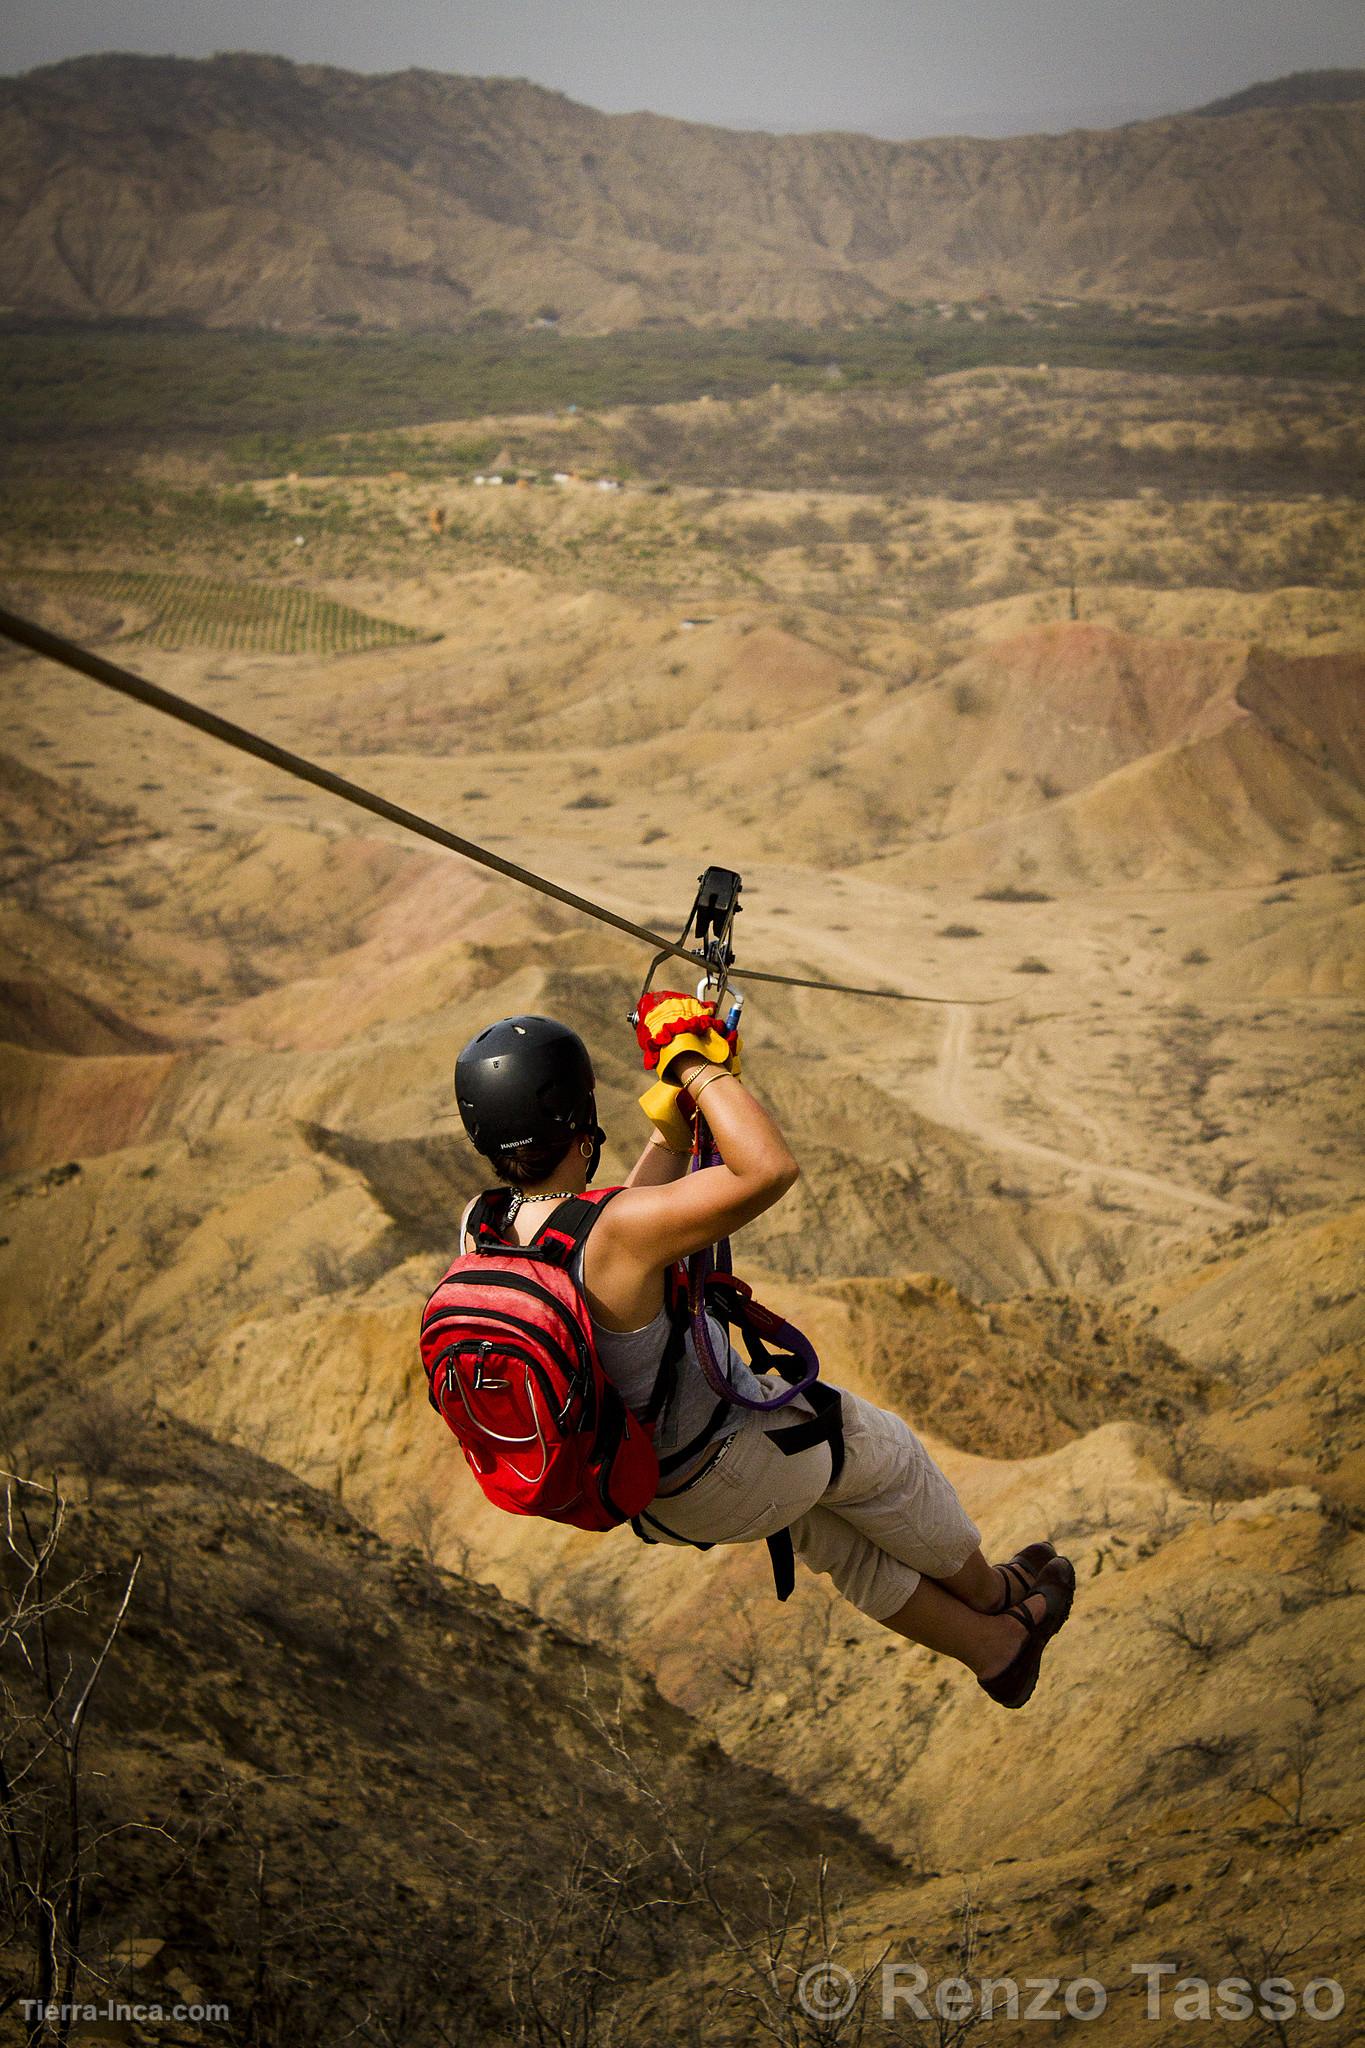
(53, 647)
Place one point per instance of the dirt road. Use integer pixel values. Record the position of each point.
(949, 1096)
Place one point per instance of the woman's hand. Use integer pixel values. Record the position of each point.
(671, 1025)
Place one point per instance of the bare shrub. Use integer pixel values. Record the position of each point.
(598, 1607)
(240, 1255)
(1203, 1757)
(770, 1931)
(804, 1664)
(1286, 1787)
(311, 1606)
(53, 1652)
(101, 1434)
(418, 1523)
(1200, 1632)
(740, 1661)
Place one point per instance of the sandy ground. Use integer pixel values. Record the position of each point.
(1106, 1199)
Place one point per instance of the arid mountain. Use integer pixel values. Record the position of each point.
(1127, 741)
(246, 190)
(1299, 89)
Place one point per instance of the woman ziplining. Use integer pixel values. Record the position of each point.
(579, 1372)
(660, 1421)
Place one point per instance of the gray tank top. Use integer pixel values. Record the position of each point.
(631, 1360)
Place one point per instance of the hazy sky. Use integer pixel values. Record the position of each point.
(888, 67)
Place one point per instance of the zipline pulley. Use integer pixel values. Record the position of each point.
(710, 926)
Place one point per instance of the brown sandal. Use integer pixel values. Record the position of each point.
(1013, 1687)
(1024, 1569)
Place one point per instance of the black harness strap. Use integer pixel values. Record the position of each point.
(783, 1560)
(675, 1460)
(488, 1219)
(637, 1524)
(558, 1238)
(825, 1426)
(780, 1551)
(569, 1223)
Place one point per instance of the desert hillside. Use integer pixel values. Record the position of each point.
(265, 1829)
(248, 191)
(1077, 754)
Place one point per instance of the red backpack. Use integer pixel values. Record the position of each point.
(511, 1366)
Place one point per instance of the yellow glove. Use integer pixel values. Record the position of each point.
(661, 1104)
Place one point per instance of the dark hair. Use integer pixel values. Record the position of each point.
(529, 1163)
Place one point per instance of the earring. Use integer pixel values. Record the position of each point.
(585, 1148)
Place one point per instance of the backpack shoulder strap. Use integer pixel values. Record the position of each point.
(568, 1225)
(487, 1219)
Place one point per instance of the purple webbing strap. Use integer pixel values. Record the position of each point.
(716, 1259)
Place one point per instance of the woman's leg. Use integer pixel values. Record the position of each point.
(976, 1583)
(985, 1643)
(892, 1496)
(893, 1536)
(991, 1588)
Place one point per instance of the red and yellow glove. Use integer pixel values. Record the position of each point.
(670, 1025)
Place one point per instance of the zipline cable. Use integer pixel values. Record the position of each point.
(69, 655)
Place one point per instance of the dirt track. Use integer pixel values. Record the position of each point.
(944, 1095)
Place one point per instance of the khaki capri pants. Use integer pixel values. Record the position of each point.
(889, 1519)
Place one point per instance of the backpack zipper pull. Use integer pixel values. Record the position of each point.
(482, 1380)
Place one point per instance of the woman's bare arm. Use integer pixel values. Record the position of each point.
(654, 1224)
(657, 1165)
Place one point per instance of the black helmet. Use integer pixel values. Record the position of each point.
(524, 1083)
